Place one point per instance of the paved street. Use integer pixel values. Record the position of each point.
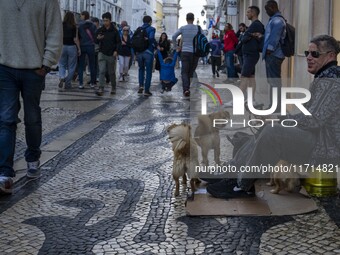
(106, 186)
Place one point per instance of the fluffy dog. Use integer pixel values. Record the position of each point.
(185, 155)
(288, 181)
(208, 137)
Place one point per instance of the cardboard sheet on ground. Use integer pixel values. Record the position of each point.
(264, 204)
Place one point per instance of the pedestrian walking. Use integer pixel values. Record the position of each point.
(122, 25)
(238, 49)
(71, 51)
(124, 53)
(216, 48)
(272, 52)
(164, 45)
(188, 59)
(229, 41)
(87, 31)
(26, 57)
(109, 41)
(146, 56)
(251, 44)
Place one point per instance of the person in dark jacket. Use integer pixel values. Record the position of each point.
(87, 33)
(164, 45)
(315, 140)
(167, 70)
(109, 41)
(216, 47)
(124, 53)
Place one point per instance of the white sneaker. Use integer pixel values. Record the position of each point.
(121, 78)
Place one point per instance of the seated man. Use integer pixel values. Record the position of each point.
(316, 138)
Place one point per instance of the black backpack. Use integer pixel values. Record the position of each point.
(140, 40)
(288, 43)
(201, 44)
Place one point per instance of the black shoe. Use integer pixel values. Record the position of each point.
(217, 74)
(222, 189)
(187, 93)
(140, 90)
(225, 189)
(147, 93)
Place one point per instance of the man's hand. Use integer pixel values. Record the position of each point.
(257, 35)
(41, 71)
(115, 54)
(269, 52)
(178, 49)
(100, 37)
(158, 48)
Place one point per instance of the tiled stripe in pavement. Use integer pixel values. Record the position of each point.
(61, 130)
(24, 186)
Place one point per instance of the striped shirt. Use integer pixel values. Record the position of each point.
(188, 33)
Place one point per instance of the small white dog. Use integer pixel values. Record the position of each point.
(185, 155)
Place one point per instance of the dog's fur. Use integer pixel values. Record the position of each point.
(208, 137)
(185, 155)
(288, 181)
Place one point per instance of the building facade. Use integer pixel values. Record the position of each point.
(171, 14)
(95, 7)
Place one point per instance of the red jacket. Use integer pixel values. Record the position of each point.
(229, 40)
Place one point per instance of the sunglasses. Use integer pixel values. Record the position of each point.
(315, 54)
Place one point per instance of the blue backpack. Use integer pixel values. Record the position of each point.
(201, 44)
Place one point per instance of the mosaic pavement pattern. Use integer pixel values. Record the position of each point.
(111, 192)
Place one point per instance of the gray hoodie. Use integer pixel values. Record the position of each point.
(31, 37)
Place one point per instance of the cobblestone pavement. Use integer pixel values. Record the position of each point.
(110, 190)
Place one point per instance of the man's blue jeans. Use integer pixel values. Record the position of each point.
(30, 85)
(273, 71)
(90, 53)
(145, 62)
(229, 62)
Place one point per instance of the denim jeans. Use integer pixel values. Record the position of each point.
(229, 62)
(276, 143)
(30, 85)
(90, 53)
(189, 64)
(68, 61)
(273, 71)
(107, 64)
(145, 62)
(124, 64)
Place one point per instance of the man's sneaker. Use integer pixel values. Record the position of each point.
(140, 90)
(147, 94)
(113, 92)
(61, 83)
(121, 78)
(92, 86)
(162, 91)
(81, 87)
(100, 92)
(33, 169)
(6, 185)
(187, 93)
(217, 74)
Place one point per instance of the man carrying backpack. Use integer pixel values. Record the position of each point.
(144, 44)
(272, 53)
(188, 58)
